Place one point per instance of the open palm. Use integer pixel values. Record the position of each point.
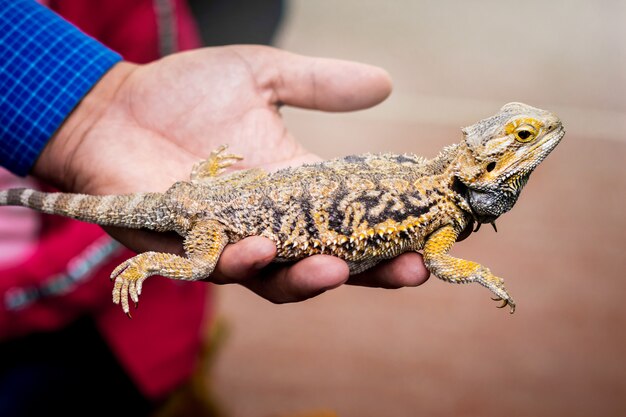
(143, 127)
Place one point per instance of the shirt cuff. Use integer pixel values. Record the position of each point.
(47, 66)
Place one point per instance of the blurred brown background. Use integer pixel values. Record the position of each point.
(440, 349)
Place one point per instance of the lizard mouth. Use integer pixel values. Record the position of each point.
(488, 203)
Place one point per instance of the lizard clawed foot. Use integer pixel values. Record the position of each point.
(496, 286)
(214, 164)
(129, 277)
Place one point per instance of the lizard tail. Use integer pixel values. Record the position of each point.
(134, 210)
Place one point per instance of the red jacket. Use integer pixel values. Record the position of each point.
(66, 274)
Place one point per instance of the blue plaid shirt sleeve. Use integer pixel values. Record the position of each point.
(46, 67)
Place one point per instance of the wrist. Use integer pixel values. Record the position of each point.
(55, 163)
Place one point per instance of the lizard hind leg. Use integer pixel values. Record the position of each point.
(214, 165)
(203, 245)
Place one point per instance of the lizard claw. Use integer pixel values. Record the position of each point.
(505, 302)
(496, 286)
(128, 278)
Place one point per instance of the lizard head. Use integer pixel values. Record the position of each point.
(503, 151)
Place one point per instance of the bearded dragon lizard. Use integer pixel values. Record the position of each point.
(362, 209)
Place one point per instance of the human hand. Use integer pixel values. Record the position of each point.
(142, 128)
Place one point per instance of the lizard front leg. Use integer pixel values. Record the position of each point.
(214, 165)
(459, 271)
(203, 245)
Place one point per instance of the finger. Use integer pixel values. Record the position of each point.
(318, 83)
(300, 281)
(243, 260)
(406, 270)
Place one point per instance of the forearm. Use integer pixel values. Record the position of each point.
(48, 66)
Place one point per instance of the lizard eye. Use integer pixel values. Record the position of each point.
(525, 133)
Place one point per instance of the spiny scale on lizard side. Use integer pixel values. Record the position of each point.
(353, 207)
(363, 208)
